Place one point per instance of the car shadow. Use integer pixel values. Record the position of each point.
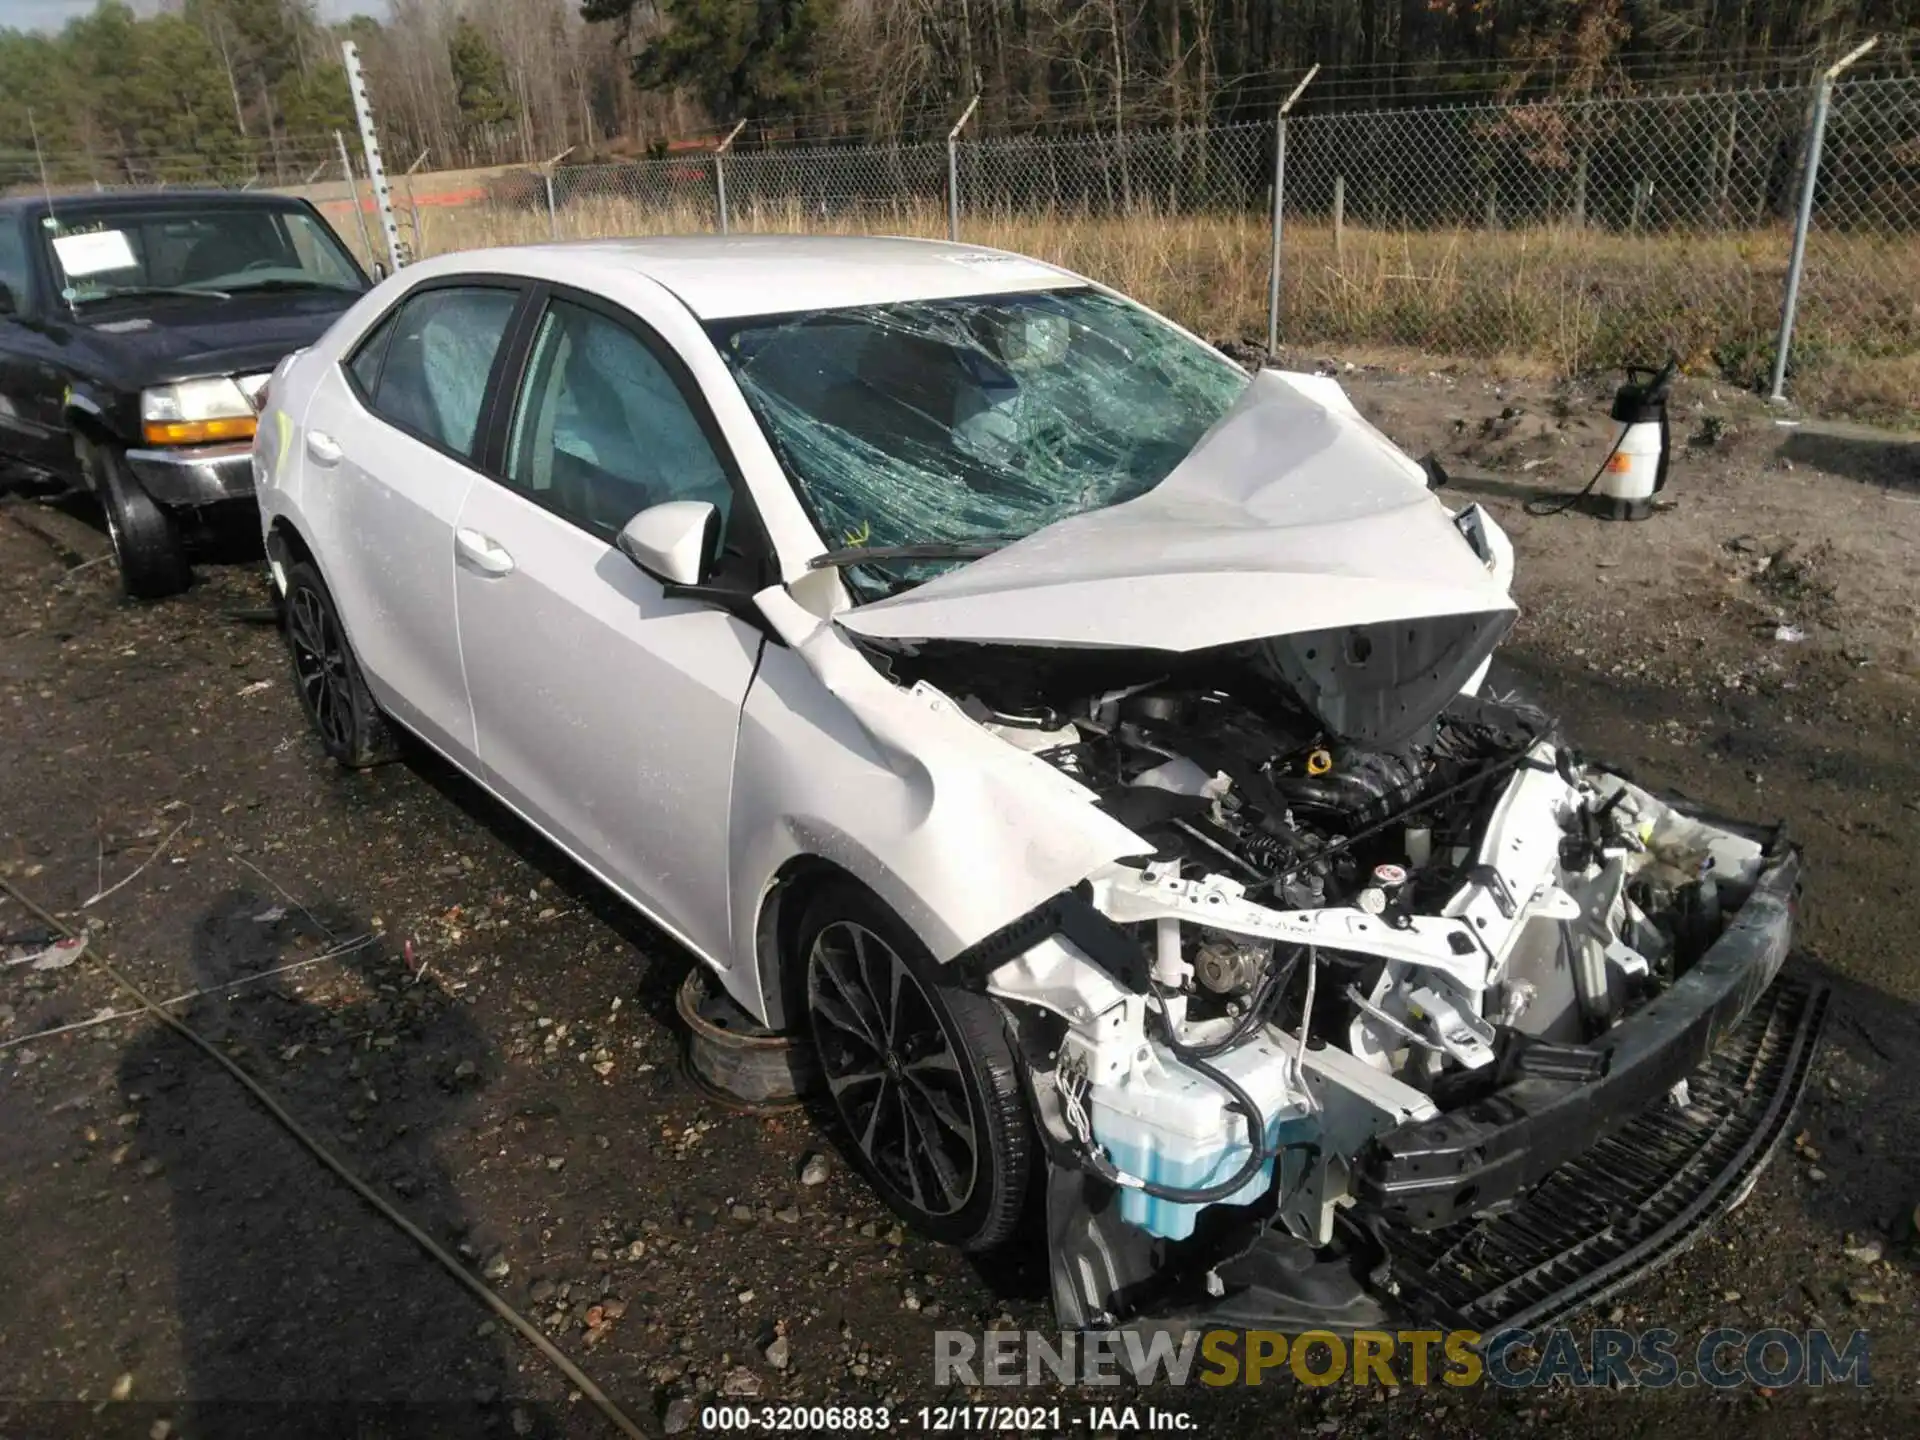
(300, 1310)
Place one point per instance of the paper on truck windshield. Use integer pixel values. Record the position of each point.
(94, 253)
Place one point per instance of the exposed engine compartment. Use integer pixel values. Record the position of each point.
(1342, 937)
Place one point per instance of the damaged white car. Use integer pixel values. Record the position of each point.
(1085, 742)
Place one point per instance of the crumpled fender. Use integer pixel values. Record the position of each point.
(957, 831)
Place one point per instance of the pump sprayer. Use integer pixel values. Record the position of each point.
(1635, 467)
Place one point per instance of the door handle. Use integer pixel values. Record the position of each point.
(483, 552)
(322, 448)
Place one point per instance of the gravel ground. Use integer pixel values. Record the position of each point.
(502, 1062)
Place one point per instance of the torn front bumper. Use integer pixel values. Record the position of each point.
(1429, 1173)
(1518, 1208)
(1631, 1202)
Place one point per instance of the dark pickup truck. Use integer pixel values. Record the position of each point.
(137, 336)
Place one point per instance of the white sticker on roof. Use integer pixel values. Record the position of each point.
(1011, 267)
(94, 253)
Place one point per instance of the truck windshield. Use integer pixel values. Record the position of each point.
(214, 250)
(961, 424)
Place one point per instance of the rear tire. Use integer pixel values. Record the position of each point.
(146, 542)
(332, 691)
(919, 1074)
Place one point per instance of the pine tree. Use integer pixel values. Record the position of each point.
(479, 76)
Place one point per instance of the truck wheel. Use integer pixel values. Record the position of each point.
(332, 692)
(921, 1075)
(146, 543)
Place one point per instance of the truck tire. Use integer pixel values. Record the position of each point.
(146, 543)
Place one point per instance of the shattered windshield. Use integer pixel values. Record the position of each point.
(973, 422)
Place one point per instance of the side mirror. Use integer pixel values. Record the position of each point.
(7, 307)
(672, 541)
(379, 271)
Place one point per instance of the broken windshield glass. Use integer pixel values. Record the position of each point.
(974, 422)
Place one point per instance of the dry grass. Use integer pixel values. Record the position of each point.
(1572, 301)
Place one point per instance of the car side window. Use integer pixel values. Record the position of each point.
(365, 364)
(603, 429)
(433, 378)
(14, 273)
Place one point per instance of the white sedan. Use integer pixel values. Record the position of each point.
(1076, 736)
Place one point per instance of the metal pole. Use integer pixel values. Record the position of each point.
(953, 168)
(720, 173)
(546, 177)
(413, 203)
(370, 144)
(1816, 139)
(353, 195)
(1279, 210)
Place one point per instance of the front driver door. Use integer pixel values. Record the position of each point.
(606, 712)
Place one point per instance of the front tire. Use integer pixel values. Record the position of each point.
(146, 542)
(919, 1073)
(332, 691)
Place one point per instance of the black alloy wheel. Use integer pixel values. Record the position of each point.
(332, 692)
(921, 1075)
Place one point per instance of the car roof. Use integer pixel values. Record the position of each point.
(108, 202)
(721, 277)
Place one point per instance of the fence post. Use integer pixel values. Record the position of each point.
(720, 173)
(1279, 211)
(413, 203)
(1816, 138)
(953, 168)
(546, 179)
(353, 194)
(370, 146)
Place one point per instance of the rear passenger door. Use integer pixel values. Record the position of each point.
(606, 712)
(391, 443)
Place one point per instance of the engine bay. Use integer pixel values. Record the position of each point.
(1341, 936)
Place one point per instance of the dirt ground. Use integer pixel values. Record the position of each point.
(502, 1062)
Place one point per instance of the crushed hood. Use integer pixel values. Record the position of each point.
(1294, 523)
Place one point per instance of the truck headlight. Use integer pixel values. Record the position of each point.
(193, 412)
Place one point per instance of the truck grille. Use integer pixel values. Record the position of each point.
(1638, 1197)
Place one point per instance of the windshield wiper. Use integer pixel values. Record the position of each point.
(136, 292)
(862, 554)
(282, 283)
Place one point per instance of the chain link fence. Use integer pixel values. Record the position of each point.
(1588, 233)
(1574, 234)
(1594, 233)
(1578, 234)
(1857, 333)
